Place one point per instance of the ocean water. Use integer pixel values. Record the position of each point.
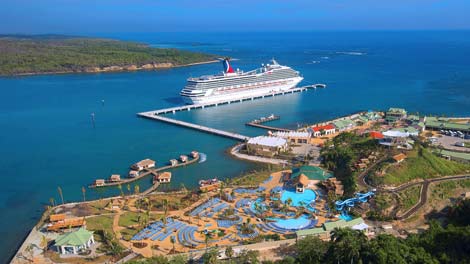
(47, 138)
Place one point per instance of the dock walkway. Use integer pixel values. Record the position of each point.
(146, 173)
(156, 114)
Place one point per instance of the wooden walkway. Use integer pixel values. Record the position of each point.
(146, 173)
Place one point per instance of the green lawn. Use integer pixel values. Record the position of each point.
(409, 197)
(102, 222)
(132, 218)
(422, 164)
(256, 177)
(128, 233)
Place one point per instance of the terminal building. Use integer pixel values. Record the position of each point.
(266, 146)
(437, 124)
(395, 114)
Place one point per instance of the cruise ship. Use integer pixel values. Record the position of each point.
(233, 85)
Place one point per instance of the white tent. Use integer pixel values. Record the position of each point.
(394, 133)
(361, 226)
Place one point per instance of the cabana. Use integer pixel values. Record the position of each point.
(74, 242)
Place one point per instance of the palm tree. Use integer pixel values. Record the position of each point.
(30, 251)
(172, 240)
(120, 190)
(52, 201)
(289, 201)
(207, 236)
(128, 188)
(44, 243)
(221, 189)
(136, 189)
(84, 193)
(229, 253)
(60, 194)
(165, 211)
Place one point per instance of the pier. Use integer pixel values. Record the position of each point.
(259, 123)
(156, 114)
(152, 115)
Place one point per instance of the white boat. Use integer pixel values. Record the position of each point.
(233, 85)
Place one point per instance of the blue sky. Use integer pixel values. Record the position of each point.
(112, 16)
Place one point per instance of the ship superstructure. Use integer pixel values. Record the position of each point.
(235, 84)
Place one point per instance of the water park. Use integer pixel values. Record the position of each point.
(285, 203)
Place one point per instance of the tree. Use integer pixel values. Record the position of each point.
(347, 244)
(84, 193)
(59, 190)
(52, 201)
(229, 253)
(44, 243)
(210, 257)
(30, 250)
(248, 256)
(120, 190)
(172, 240)
(136, 189)
(128, 188)
(178, 260)
(165, 210)
(311, 249)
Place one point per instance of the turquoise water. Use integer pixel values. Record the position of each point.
(297, 198)
(292, 223)
(47, 139)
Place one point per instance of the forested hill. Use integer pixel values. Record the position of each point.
(20, 54)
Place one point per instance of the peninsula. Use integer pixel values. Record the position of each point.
(43, 54)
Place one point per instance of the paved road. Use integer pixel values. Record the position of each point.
(423, 198)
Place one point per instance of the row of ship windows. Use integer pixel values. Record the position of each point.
(277, 74)
(228, 83)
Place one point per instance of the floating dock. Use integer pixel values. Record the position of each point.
(156, 114)
(259, 123)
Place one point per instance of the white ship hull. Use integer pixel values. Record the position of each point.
(267, 89)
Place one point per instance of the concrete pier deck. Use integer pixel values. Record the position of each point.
(152, 115)
(156, 114)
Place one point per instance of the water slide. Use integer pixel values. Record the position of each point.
(360, 197)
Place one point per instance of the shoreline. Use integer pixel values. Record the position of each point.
(114, 69)
(34, 228)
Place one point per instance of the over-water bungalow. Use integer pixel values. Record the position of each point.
(143, 164)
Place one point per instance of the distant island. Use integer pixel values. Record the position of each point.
(41, 54)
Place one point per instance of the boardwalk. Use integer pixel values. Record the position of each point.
(146, 173)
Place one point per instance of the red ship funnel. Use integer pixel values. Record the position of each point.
(227, 67)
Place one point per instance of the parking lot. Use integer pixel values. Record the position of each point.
(448, 142)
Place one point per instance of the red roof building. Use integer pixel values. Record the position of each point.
(376, 135)
(326, 129)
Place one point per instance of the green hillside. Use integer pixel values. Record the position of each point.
(50, 53)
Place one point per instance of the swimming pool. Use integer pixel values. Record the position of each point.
(302, 222)
(306, 197)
